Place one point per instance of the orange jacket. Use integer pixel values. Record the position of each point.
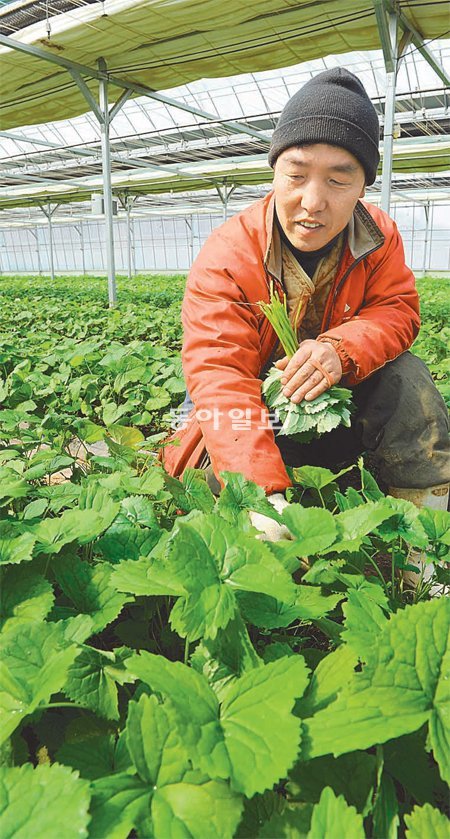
(371, 316)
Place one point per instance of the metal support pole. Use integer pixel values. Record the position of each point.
(38, 254)
(389, 118)
(81, 235)
(107, 186)
(427, 236)
(50, 243)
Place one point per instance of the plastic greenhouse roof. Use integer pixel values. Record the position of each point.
(411, 155)
(162, 43)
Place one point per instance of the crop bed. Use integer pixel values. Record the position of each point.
(164, 673)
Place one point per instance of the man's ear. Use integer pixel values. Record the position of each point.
(363, 191)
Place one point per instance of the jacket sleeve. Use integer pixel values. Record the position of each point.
(221, 361)
(388, 320)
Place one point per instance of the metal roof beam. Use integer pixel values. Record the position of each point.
(76, 70)
(385, 36)
(419, 42)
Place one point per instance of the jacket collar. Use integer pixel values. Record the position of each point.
(363, 237)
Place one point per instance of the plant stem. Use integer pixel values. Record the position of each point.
(186, 651)
(372, 562)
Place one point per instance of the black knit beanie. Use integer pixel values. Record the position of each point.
(332, 108)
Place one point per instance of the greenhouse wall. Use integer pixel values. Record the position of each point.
(170, 243)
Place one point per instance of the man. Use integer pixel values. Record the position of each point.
(342, 263)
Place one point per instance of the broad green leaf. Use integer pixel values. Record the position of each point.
(212, 561)
(402, 686)
(436, 524)
(92, 680)
(385, 812)
(261, 754)
(364, 620)
(24, 595)
(426, 822)
(125, 435)
(150, 483)
(146, 577)
(404, 522)
(333, 817)
(192, 493)
(316, 477)
(139, 510)
(11, 486)
(125, 540)
(90, 590)
(182, 800)
(352, 776)
(269, 613)
(258, 811)
(241, 494)
(228, 657)
(119, 803)
(17, 549)
(34, 660)
(356, 523)
(95, 757)
(97, 498)
(406, 759)
(42, 802)
(197, 808)
(328, 680)
(314, 528)
(74, 525)
(293, 823)
(240, 745)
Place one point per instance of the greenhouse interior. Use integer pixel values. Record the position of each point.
(183, 159)
(188, 651)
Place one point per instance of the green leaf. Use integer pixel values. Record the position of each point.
(192, 493)
(385, 812)
(95, 757)
(328, 680)
(407, 761)
(228, 657)
(198, 808)
(261, 754)
(333, 817)
(150, 483)
(426, 822)
(146, 577)
(356, 523)
(24, 595)
(34, 660)
(182, 800)
(90, 590)
(11, 486)
(352, 776)
(126, 540)
(17, 549)
(97, 498)
(293, 823)
(314, 528)
(436, 524)
(317, 477)
(364, 620)
(212, 561)
(403, 685)
(139, 510)
(119, 803)
(74, 525)
(269, 613)
(240, 744)
(404, 522)
(43, 802)
(240, 494)
(92, 680)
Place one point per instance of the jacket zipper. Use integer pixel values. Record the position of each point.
(343, 279)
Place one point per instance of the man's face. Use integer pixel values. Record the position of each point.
(316, 190)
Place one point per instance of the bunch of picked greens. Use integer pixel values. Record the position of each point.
(306, 420)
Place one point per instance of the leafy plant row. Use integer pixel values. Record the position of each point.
(164, 673)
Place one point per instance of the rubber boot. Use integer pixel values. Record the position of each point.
(437, 498)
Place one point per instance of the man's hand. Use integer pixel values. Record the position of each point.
(313, 369)
(270, 530)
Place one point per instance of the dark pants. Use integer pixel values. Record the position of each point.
(400, 418)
